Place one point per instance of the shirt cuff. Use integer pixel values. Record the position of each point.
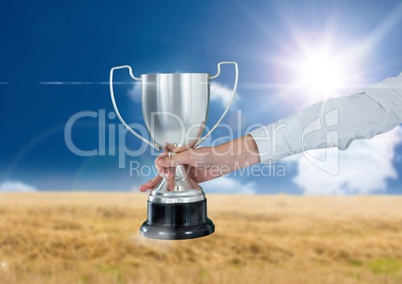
(278, 140)
(262, 138)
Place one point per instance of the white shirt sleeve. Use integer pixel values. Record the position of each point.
(334, 122)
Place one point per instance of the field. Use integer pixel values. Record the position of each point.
(94, 238)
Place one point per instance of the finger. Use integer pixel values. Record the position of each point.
(164, 172)
(150, 184)
(170, 184)
(162, 155)
(169, 147)
(157, 162)
(159, 169)
(160, 158)
(170, 173)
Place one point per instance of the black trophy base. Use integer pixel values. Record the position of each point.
(178, 221)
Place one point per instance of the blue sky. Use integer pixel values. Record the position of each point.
(43, 42)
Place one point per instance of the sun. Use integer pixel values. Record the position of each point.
(318, 71)
(321, 73)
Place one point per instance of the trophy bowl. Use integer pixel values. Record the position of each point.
(175, 109)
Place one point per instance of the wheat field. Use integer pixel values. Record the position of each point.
(94, 238)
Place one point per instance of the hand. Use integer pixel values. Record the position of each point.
(206, 163)
(197, 163)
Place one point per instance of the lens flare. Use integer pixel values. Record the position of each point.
(320, 69)
(321, 73)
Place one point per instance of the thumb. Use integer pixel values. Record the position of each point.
(150, 184)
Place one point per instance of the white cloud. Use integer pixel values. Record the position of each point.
(16, 186)
(228, 185)
(222, 93)
(363, 168)
(135, 92)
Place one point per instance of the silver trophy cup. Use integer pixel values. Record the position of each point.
(175, 109)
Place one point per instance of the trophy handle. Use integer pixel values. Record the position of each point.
(230, 101)
(154, 145)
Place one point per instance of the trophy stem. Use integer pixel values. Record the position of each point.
(181, 189)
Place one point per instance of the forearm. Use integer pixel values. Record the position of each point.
(235, 154)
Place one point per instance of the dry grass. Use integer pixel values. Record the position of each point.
(94, 238)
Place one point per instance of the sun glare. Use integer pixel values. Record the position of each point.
(321, 73)
(319, 68)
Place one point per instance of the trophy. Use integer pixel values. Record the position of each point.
(175, 109)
